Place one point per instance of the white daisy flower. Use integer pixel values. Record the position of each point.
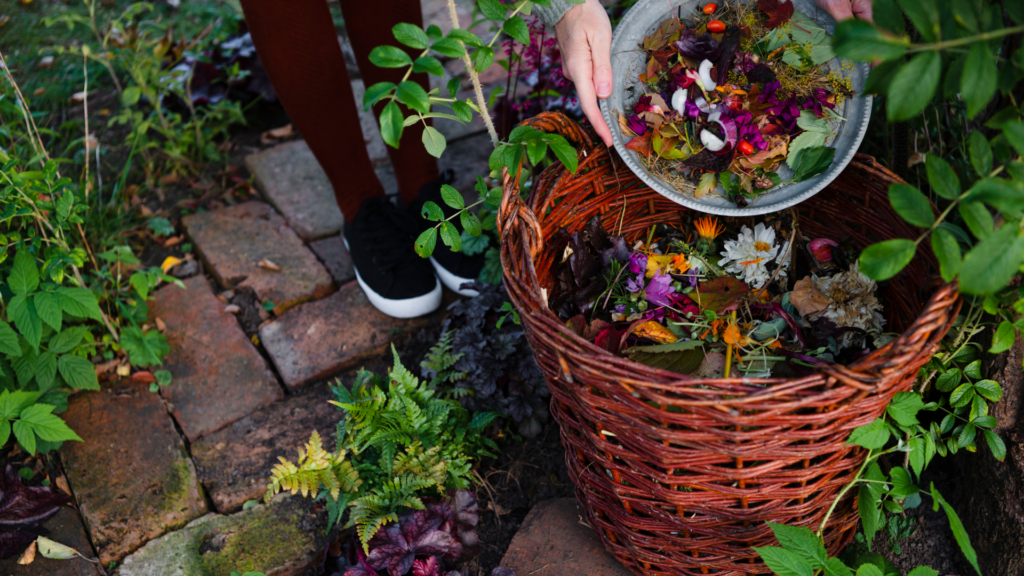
(748, 255)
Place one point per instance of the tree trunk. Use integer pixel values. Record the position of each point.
(991, 502)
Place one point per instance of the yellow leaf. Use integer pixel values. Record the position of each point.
(656, 332)
(170, 262)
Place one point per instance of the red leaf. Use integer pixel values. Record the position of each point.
(720, 294)
(641, 145)
(779, 12)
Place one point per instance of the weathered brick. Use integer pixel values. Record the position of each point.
(292, 180)
(319, 339)
(553, 539)
(232, 241)
(219, 376)
(335, 256)
(283, 538)
(234, 463)
(66, 527)
(131, 475)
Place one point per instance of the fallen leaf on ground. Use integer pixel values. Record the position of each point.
(806, 298)
(77, 97)
(46, 62)
(144, 377)
(281, 133)
(232, 309)
(91, 143)
(29, 555)
(62, 483)
(106, 366)
(170, 262)
(39, 91)
(168, 179)
(268, 265)
(172, 241)
(124, 370)
(160, 325)
(55, 550)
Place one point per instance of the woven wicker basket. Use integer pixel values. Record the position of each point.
(679, 475)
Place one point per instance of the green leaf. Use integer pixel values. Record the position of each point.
(870, 569)
(431, 211)
(163, 377)
(66, 340)
(783, 562)
(449, 47)
(483, 58)
(861, 40)
(25, 436)
(462, 110)
(23, 312)
(131, 95)
(980, 152)
(989, 389)
(414, 96)
(565, 153)
(391, 124)
(917, 454)
(958, 529)
(428, 64)
(925, 16)
(948, 380)
(146, 349)
(49, 427)
(868, 508)
(887, 15)
(871, 436)
(902, 484)
(12, 403)
(24, 277)
(452, 197)
(5, 431)
(913, 86)
(389, 57)
(466, 37)
(805, 141)
(434, 141)
(140, 281)
(453, 86)
(374, 93)
(473, 245)
(835, 567)
(881, 77)
(978, 83)
(411, 35)
(801, 541)
(450, 236)
(813, 161)
(884, 260)
(46, 369)
(517, 29)
(1014, 132)
(492, 10)
(942, 177)
(1003, 338)
(990, 265)
(79, 302)
(1005, 195)
(78, 372)
(962, 395)
(470, 223)
(995, 444)
(425, 243)
(904, 408)
(8, 341)
(947, 251)
(978, 219)
(911, 205)
(973, 370)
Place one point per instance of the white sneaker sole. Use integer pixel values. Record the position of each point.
(452, 281)
(405, 307)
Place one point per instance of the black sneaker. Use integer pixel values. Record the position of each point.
(453, 268)
(397, 281)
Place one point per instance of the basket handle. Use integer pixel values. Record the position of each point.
(512, 208)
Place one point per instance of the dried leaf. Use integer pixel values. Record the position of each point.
(232, 309)
(55, 550)
(641, 144)
(144, 377)
(270, 136)
(172, 241)
(806, 298)
(268, 265)
(62, 483)
(663, 36)
(91, 143)
(654, 331)
(160, 325)
(720, 294)
(29, 555)
(124, 370)
(170, 262)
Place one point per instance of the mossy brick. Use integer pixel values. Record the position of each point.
(293, 181)
(218, 375)
(282, 538)
(233, 241)
(233, 464)
(66, 527)
(131, 475)
(554, 539)
(320, 339)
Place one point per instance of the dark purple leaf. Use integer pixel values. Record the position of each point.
(694, 47)
(13, 543)
(466, 508)
(22, 505)
(390, 551)
(619, 251)
(360, 568)
(761, 74)
(427, 567)
(711, 162)
(502, 571)
(777, 308)
(730, 44)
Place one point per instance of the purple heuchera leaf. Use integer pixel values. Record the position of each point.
(22, 509)
(427, 567)
(466, 508)
(360, 568)
(698, 48)
(730, 43)
(502, 571)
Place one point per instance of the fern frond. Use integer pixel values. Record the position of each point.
(315, 468)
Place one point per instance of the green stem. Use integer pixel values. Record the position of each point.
(842, 493)
(510, 16)
(965, 40)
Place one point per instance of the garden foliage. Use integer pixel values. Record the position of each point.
(23, 509)
(398, 442)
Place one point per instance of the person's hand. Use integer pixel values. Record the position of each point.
(844, 9)
(585, 37)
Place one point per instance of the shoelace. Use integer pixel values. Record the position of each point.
(389, 233)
